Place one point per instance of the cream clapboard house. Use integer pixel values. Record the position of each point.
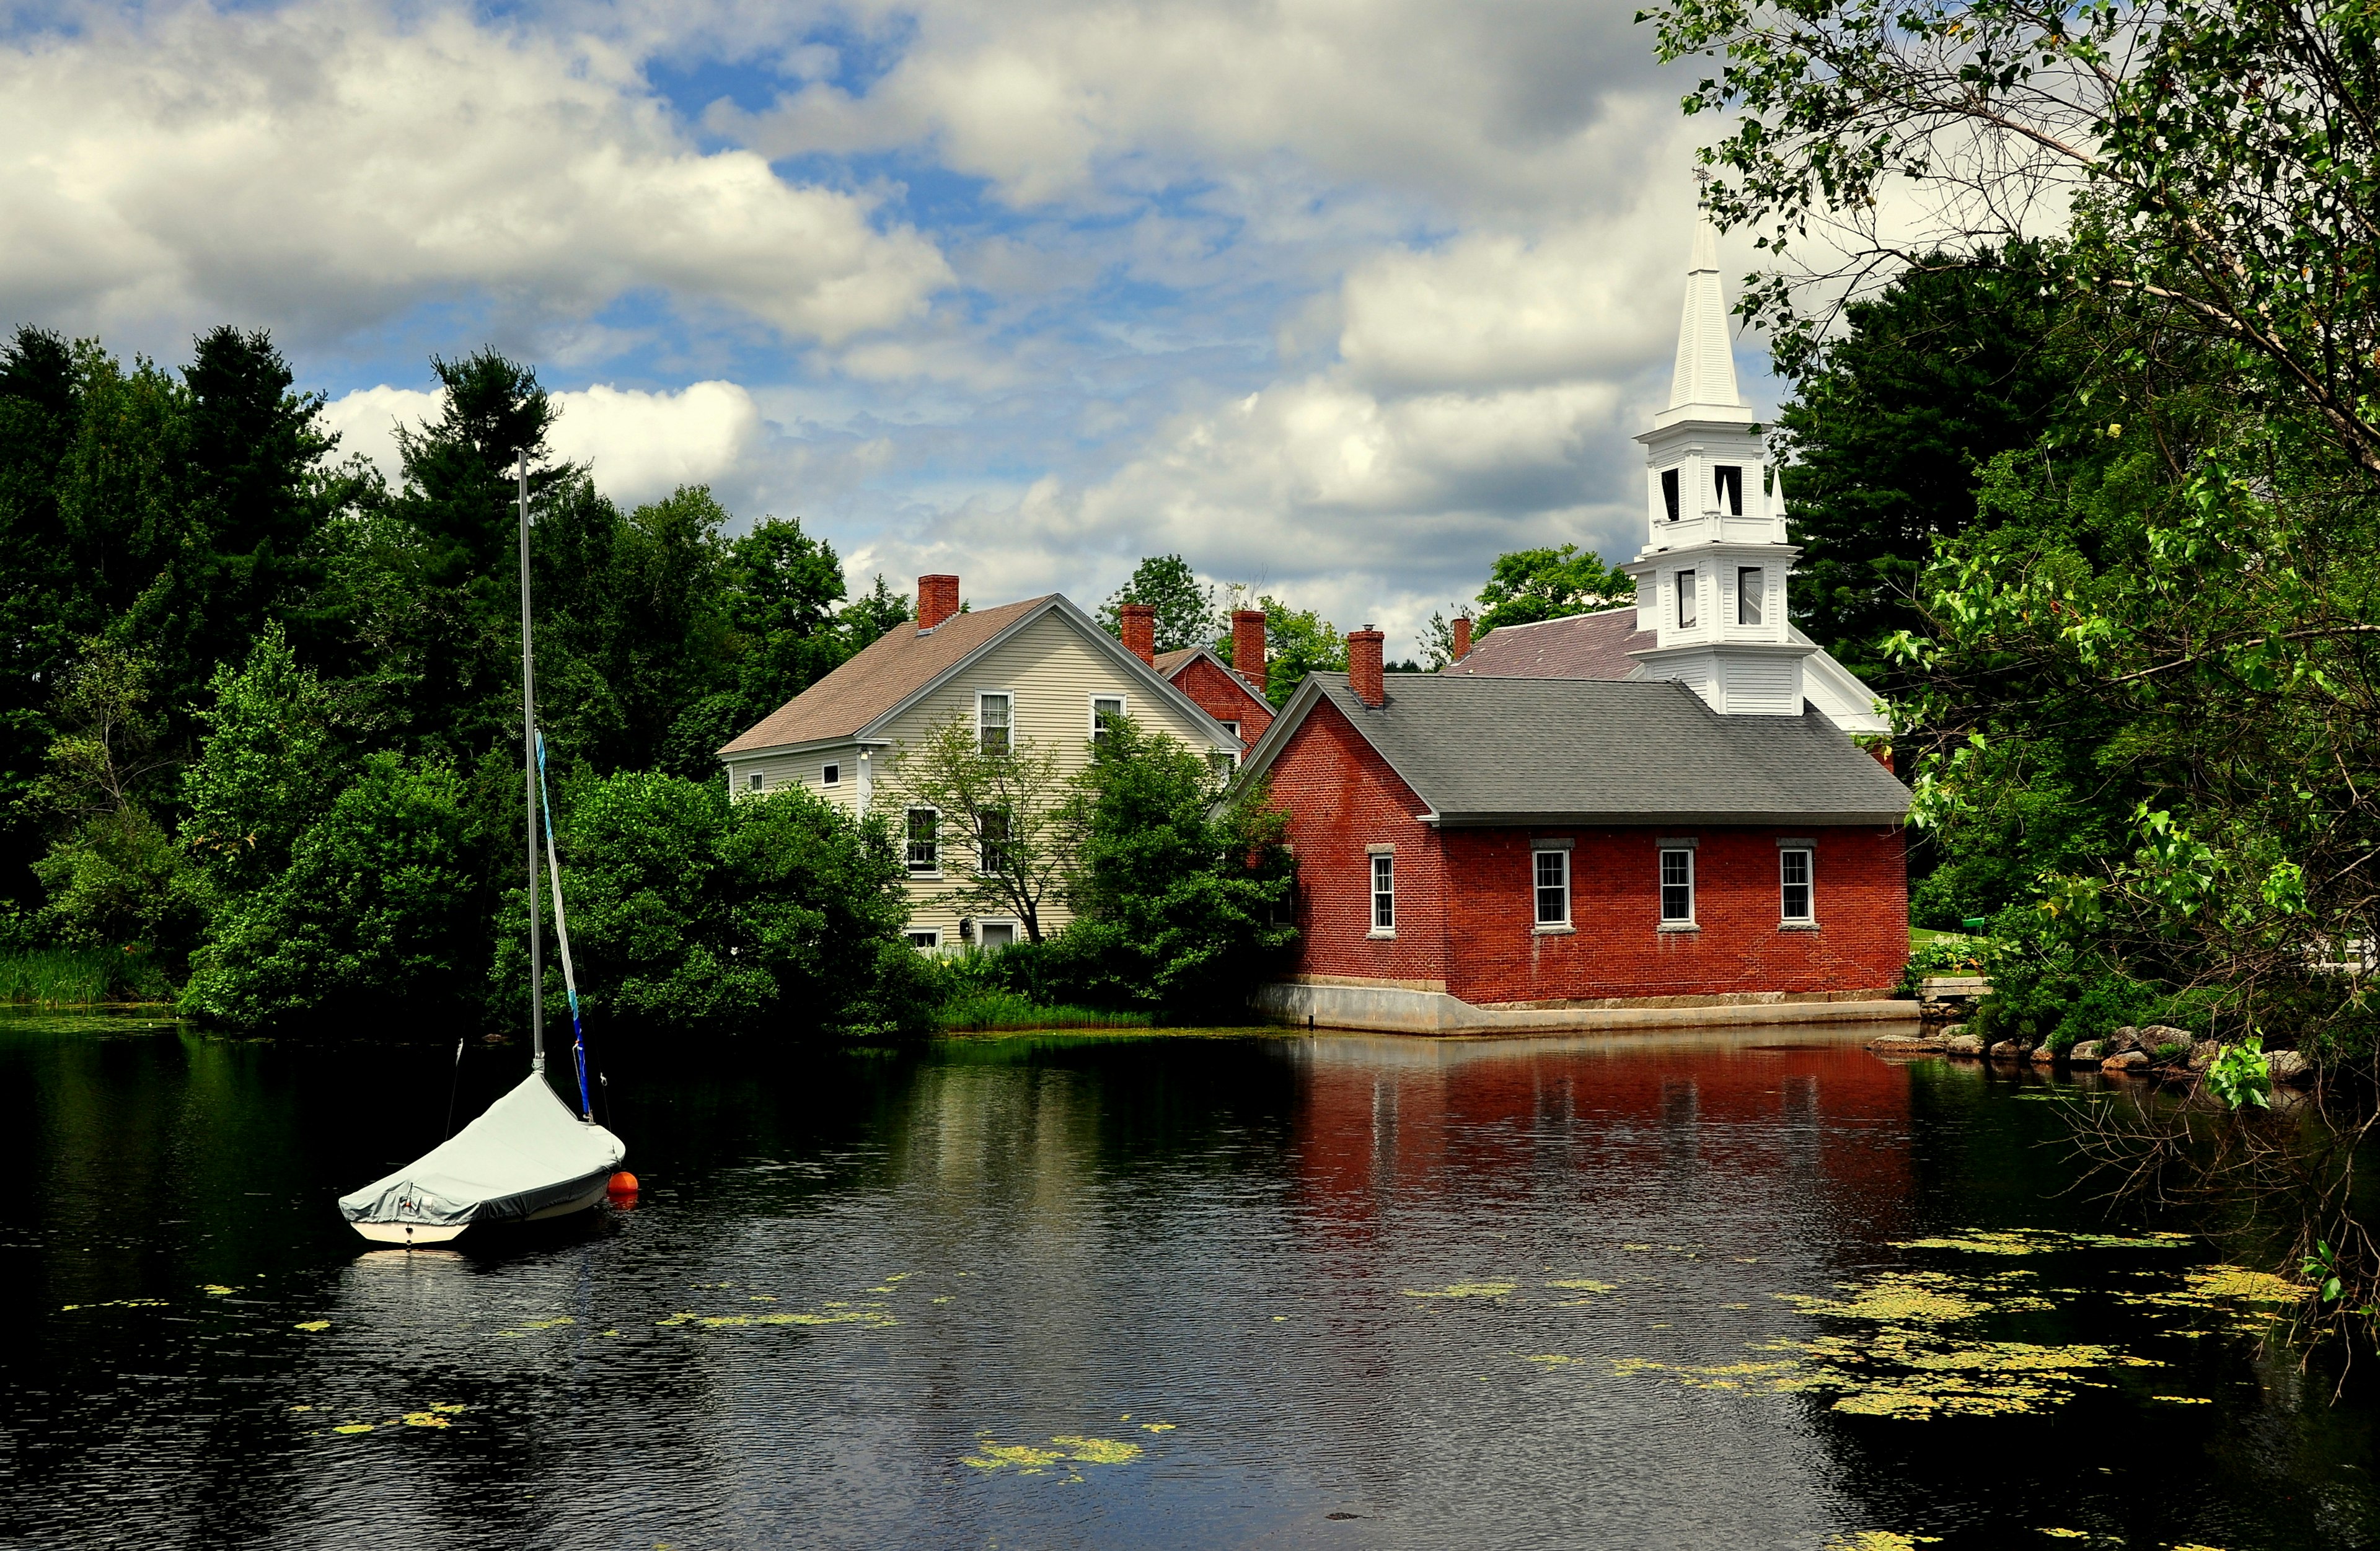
(1039, 672)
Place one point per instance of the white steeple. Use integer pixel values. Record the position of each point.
(1703, 386)
(1710, 580)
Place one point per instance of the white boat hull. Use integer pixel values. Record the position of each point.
(411, 1233)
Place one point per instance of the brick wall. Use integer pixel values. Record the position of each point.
(1223, 698)
(1466, 912)
(1617, 948)
(1342, 796)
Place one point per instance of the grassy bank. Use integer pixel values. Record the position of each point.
(76, 977)
(989, 1010)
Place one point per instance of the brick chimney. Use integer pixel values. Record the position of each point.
(1461, 637)
(1364, 666)
(1248, 645)
(1140, 632)
(938, 600)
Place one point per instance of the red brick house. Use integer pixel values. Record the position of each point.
(1232, 693)
(1564, 846)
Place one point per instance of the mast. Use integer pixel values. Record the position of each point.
(529, 778)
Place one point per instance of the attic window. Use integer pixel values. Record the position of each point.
(1731, 489)
(1670, 492)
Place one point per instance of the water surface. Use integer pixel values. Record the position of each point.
(1111, 1292)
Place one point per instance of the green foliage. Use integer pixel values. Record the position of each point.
(376, 923)
(2239, 1076)
(1181, 887)
(270, 761)
(1527, 586)
(117, 880)
(1186, 608)
(80, 978)
(775, 914)
(2048, 987)
(984, 1010)
(1888, 433)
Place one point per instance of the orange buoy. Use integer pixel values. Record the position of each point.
(622, 1183)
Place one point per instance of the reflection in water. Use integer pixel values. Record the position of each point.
(1109, 1292)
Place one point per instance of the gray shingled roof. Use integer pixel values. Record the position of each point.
(1534, 751)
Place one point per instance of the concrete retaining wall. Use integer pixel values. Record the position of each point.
(1392, 1009)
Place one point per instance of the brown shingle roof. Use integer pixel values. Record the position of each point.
(1579, 646)
(895, 666)
(1169, 660)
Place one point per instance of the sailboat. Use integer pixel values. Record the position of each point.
(528, 1157)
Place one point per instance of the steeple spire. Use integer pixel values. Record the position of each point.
(1703, 387)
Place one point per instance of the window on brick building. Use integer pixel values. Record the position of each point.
(1552, 871)
(1794, 888)
(1384, 893)
(1677, 885)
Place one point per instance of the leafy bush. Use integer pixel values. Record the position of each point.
(2239, 1076)
(1181, 887)
(689, 912)
(2047, 988)
(377, 918)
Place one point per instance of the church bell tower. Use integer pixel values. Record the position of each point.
(1710, 580)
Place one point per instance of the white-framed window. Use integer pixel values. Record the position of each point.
(1670, 492)
(925, 842)
(1105, 708)
(1677, 885)
(991, 854)
(1689, 609)
(829, 775)
(992, 936)
(1384, 892)
(1222, 762)
(1727, 485)
(926, 940)
(1797, 894)
(1750, 594)
(995, 713)
(1550, 870)
(1233, 728)
(756, 781)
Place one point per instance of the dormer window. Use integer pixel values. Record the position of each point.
(1688, 615)
(1670, 492)
(1729, 489)
(1751, 592)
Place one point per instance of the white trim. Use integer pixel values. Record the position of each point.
(1124, 707)
(756, 780)
(830, 773)
(1374, 894)
(1662, 886)
(908, 862)
(1538, 888)
(933, 935)
(1015, 929)
(1010, 728)
(1809, 885)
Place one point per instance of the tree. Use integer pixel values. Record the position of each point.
(1527, 586)
(1185, 607)
(378, 920)
(1182, 886)
(268, 764)
(1000, 818)
(1890, 427)
(775, 914)
(866, 618)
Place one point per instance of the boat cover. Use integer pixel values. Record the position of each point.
(526, 1153)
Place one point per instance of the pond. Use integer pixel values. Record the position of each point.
(1709, 1291)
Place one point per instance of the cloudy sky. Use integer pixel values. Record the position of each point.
(1341, 298)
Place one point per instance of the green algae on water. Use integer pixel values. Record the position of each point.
(1466, 1290)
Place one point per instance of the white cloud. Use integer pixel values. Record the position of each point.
(642, 445)
(328, 165)
(1480, 106)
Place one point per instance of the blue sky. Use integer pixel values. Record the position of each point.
(1336, 299)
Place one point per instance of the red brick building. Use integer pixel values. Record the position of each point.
(1232, 693)
(1476, 846)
